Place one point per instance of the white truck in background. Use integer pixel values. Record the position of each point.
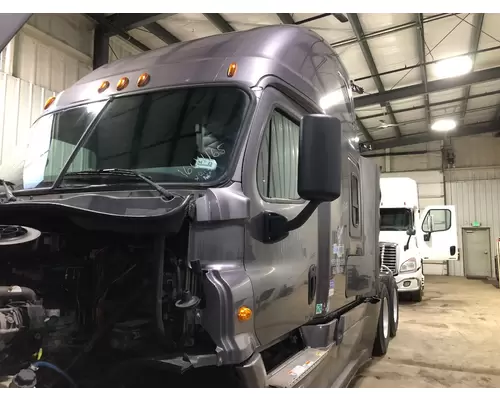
(407, 241)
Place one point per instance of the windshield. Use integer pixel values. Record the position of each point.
(395, 219)
(181, 135)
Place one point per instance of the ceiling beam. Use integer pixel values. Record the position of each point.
(433, 86)
(365, 49)
(364, 131)
(128, 22)
(161, 33)
(382, 32)
(409, 67)
(311, 19)
(101, 20)
(425, 137)
(423, 69)
(220, 23)
(286, 19)
(474, 44)
(437, 103)
(341, 18)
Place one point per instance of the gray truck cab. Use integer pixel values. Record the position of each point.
(225, 174)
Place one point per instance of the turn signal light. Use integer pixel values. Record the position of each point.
(143, 79)
(244, 313)
(231, 71)
(122, 83)
(49, 102)
(103, 86)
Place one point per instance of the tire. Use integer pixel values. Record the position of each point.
(417, 296)
(382, 338)
(393, 308)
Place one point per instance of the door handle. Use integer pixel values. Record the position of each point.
(311, 292)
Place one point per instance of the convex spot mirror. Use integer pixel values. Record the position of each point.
(319, 169)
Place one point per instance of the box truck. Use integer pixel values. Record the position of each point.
(197, 215)
(408, 237)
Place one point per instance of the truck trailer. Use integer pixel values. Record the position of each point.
(197, 215)
(407, 241)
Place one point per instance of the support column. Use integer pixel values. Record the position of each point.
(101, 47)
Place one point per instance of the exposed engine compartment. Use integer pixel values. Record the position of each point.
(93, 302)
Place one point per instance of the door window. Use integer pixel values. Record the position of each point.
(437, 221)
(277, 165)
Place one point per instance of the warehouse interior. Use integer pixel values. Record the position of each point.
(392, 57)
(426, 93)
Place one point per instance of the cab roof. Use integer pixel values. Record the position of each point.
(295, 54)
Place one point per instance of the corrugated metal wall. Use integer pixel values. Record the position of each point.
(49, 54)
(21, 103)
(53, 50)
(476, 196)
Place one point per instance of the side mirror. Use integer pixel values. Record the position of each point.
(320, 161)
(319, 176)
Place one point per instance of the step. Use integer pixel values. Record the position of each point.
(296, 368)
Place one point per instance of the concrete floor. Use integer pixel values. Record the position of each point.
(450, 339)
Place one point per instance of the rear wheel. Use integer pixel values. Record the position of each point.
(383, 328)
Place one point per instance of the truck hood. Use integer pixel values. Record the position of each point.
(398, 237)
(101, 211)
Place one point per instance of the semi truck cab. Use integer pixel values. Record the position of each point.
(408, 237)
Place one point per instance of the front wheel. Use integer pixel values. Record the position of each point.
(394, 312)
(418, 295)
(382, 339)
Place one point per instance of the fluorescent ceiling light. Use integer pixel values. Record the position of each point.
(444, 125)
(452, 67)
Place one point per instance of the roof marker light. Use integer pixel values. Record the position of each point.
(122, 83)
(103, 87)
(231, 71)
(49, 102)
(143, 79)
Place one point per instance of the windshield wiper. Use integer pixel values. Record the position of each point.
(8, 190)
(123, 172)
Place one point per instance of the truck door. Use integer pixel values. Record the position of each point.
(283, 274)
(10, 24)
(437, 234)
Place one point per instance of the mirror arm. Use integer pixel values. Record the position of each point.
(407, 245)
(303, 216)
(269, 227)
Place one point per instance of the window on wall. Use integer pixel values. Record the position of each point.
(277, 166)
(354, 201)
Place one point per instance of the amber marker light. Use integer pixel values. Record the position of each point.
(49, 102)
(103, 86)
(122, 83)
(143, 79)
(244, 313)
(231, 71)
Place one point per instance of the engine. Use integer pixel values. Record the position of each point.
(85, 304)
